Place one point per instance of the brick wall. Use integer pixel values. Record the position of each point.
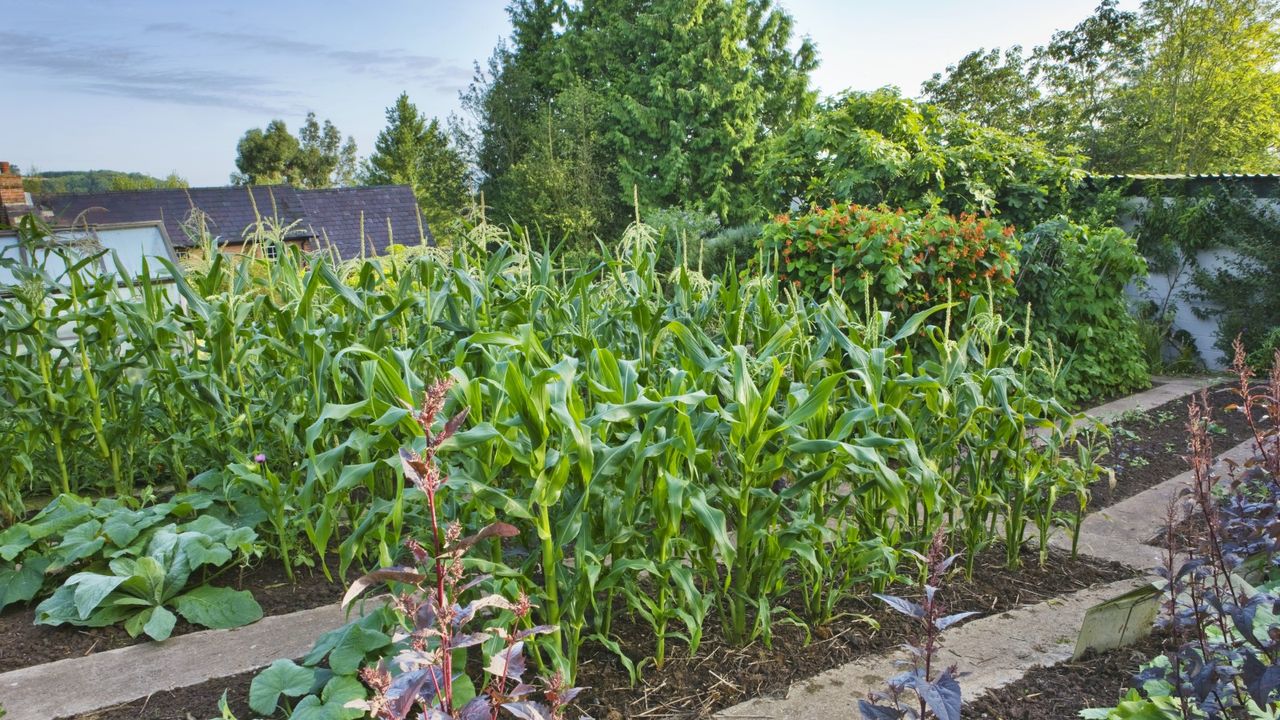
(11, 186)
(13, 201)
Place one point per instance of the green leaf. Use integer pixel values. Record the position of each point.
(283, 677)
(14, 541)
(349, 653)
(160, 626)
(342, 689)
(313, 708)
(91, 589)
(21, 584)
(218, 608)
(342, 636)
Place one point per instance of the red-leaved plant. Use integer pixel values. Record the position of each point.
(435, 619)
(937, 695)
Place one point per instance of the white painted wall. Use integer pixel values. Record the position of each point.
(1161, 286)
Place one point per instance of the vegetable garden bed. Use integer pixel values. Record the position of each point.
(718, 677)
(722, 675)
(25, 644)
(1060, 691)
(1147, 448)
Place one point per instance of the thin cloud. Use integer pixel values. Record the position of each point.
(435, 71)
(125, 72)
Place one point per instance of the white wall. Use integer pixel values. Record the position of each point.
(1158, 287)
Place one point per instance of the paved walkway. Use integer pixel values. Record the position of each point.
(1163, 390)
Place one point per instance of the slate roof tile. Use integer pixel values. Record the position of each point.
(331, 216)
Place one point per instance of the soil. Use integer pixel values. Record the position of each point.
(1061, 691)
(199, 702)
(722, 675)
(1148, 449)
(27, 644)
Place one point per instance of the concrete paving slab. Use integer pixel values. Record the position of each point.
(1165, 390)
(995, 651)
(1120, 532)
(80, 685)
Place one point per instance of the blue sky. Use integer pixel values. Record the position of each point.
(170, 85)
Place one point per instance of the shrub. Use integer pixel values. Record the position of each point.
(878, 147)
(903, 260)
(738, 245)
(1074, 278)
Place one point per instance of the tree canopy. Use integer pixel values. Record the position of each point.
(670, 97)
(879, 147)
(316, 158)
(1178, 86)
(416, 152)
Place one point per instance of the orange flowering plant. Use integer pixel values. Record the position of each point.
(905, 260)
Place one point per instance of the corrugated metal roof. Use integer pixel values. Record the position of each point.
(1192, 176)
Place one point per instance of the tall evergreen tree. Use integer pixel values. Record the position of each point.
(691, 87)
(413, 151)
(686, 91)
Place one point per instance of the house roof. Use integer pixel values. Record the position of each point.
(380, 215)
(331, 217)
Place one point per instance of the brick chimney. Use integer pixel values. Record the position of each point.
(13, 201)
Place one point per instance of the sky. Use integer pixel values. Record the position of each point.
(160, 86)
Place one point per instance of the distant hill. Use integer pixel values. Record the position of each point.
(75, 181)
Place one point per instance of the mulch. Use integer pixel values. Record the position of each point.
(1061, 691)
(25, 644)
(722, 675)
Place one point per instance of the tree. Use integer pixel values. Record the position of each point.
(265, 157)
(518, 82)
(692, 87)
(134, 181)
(562, 185)
(317, 158)
(1080, 73)
(991, 88)
(1179, 86)
(1207, 99)
(412, 151)
(686, 91)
